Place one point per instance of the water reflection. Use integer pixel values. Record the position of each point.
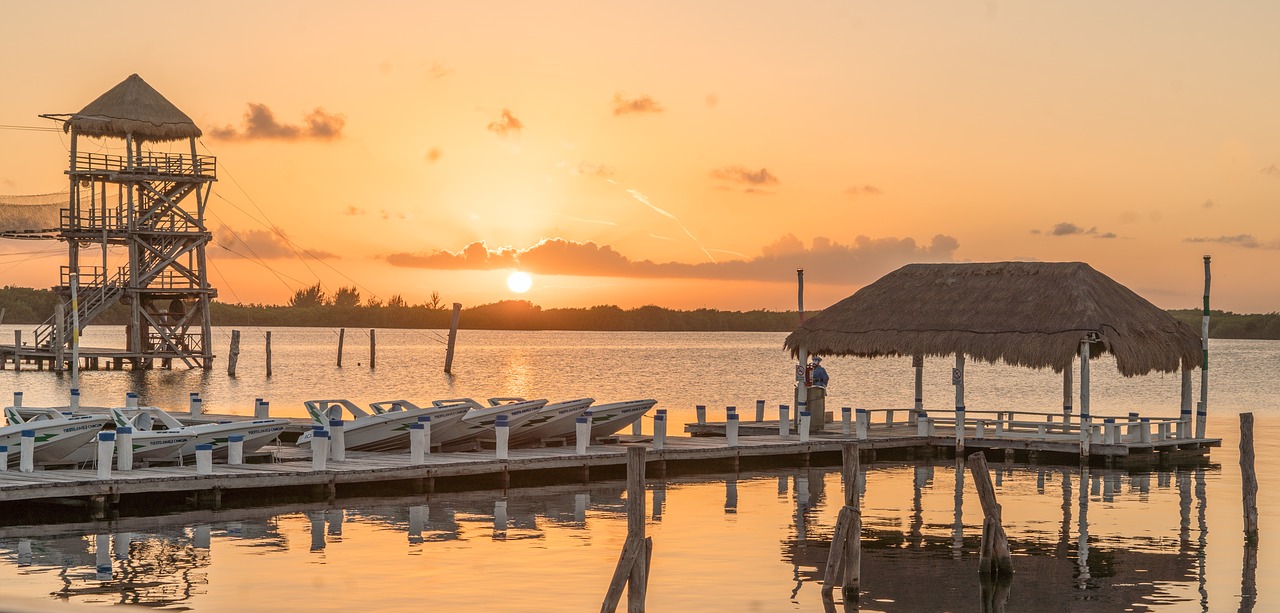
(1124, 552)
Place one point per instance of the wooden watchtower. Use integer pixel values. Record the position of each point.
(126, 192)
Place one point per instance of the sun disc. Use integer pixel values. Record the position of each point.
(519, 282)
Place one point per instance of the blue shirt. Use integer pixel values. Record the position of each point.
(819, 376)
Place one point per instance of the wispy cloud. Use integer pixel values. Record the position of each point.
(588, 169)
(260, 123)
(645, 200)
(743, 175)
(354, 210)
(507, 125)
(1208, 204)
(826, 261)
(1248, 241)
(639, 104)
(711, 101)
(433, 155)
(261, 244)
(863, 190)
(438, 71)
(1272, 170)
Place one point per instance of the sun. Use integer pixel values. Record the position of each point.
(519, 282)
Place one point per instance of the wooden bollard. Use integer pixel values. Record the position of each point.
(337, 440)
(124, 448)
(106, 447)
(1144, 430)
(979, 428)
(993, 558)
(233, 356)
(502, 434)
(731, 429)
(922, 424)
(195, 405)
(27, 452)
(660, 430)
(632, 571)
(425, 420)
(4, 458)
(204, 459)
(417, 454)
(804, 426)
(784, 420)
(235, 449)
(75, 400)
(342, 337)
(1248, 479)
(844, 561)
(701, 412)
(261, 409)
(582, 438)
(759, 411)
(17, 399)
(131, 400)
(845, 414)
(860, 422)
(319, 449)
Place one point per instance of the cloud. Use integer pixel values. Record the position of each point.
(1247, 241)
(433, 155)
(261, 124)
(1066, 229)
(640, 104)
(827, 261)
(506, 125)
(712, 100)
(439, 71)
(354, 210)
(1272, 170)
(1106, 235)
(864, 190)
(1208, 204)
(587, 169)
(261, 244)
(752, 181)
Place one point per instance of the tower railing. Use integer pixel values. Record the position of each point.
(148, 163)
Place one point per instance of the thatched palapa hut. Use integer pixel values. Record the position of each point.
(1033, 314)
(133, 109)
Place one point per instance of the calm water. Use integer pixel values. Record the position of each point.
(1103, 541)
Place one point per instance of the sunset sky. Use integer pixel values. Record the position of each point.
(685, 154)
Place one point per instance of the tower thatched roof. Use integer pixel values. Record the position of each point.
(133, 107)
(1032, 314)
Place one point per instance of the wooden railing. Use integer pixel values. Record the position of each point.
(149, 163)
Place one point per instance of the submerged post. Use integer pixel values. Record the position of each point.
(1248, 479)
(453, 337)
(268, 353)
(342, 336)
(1202, 411)
(233, 356)
(993, 558)
(373, 348)
(844, 561)
(632, 571)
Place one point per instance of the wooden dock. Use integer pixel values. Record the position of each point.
(288, 470)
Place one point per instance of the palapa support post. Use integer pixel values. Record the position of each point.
(1067, 392)
(844, 561)
(632, 571)
(1248, 479)
(1202, 410)
(957, 379)
(233, 356)
(453, 337)
(993, 558)
(1086, 420)
(342, 337)
(917, 364)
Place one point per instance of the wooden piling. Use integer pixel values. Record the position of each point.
(342, 336)
(844, 561)
(633, 566)
(453, 337)
(1248, 478)
(17, 350)
(373, 349)
(59, 336)
(233, 356)
(268, 353)
(993, 558)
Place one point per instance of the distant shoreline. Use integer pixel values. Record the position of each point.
(32, 306)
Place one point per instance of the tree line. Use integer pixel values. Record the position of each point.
(313, 306)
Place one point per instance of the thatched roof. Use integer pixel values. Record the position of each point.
(133, 107)
(1032, 314)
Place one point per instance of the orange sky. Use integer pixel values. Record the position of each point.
(687, 154)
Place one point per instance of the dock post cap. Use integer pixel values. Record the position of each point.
(204, 447)
(335, 422)
(106, 436)
(734, 416)
(124, 430)
(584, 419)
(500, 421)
(234, 438)
(417, 426)
(422, 419)
(4, 449)
(321, 434)
(28, 434)
(317, 428)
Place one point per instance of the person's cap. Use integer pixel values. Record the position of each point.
(817, 358)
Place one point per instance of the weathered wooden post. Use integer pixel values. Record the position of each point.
(233, 356)
(844, 561)
(957, 379)
(731, 429)
(660, 430)
(759, 411)
(845, 414)
(700, 411)
(632, 570)
(1086, 419)
(59, 336)
(453, 337)
(1248, 479)
(1067, 391)
(342, 337)
(917, 363)
(993, 559)
(17, 350)
(1202, 411)
(784, 421)
(268, 353)
(373, 349)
